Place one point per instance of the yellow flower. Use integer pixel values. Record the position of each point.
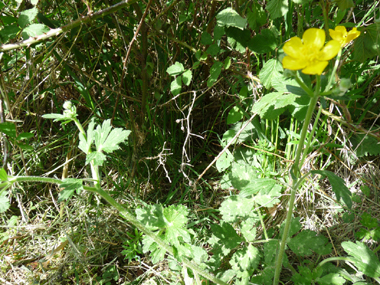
(309, 54)
(340, 34)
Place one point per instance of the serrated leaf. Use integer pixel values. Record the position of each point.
(266, 107)
(303, 277)
(176, 85)
(151, 216)
(224, 239)
(9, 32)
(34, 30)
(236, 208)
(270, 71)
(27, 17)
(69, 185)
(364, 145)
(85, 143)
(338, 186)
(234, 115)
(186, 77)
(249, 133)
(175, 69)
(367, 45)
(175, 217)
(157, 253)
(306, 242)
(246, 259)
(264, 42)
(363, 258)
(241, 177)
(213, 49)
(224, 161)
(295, 227)
(268, 197)
(368, 221)
(106, 140)
(331, 279)
(277, 8)
(215, 71)
(248, 229)
(4, 202)
(230, 18)
(256, 17)
(9, 129)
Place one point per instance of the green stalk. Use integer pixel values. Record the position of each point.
(281, 252)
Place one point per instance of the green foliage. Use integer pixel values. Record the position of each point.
(338, 186)
(230, 18)
(363, 258)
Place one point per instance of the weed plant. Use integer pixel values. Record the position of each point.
(209, 127)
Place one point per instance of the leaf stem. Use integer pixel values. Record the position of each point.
(296, 172)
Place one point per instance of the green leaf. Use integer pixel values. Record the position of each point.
(3, 175)
(8, 20)
(256, 17)
(363, 258)
(4, 202)
(267, 108)
(245, 260)
(249, 133)
(264, 42)
(248, 229)
(206, 38)
(306, 242)
(338, 186)
(368, 221)
(236, 208)
(268, 197)
(367, 45)
(258, 184)
(24, 146)
(230, 18)
(27, 17)
(215, 71)
(85, 143)
(304, 277)
(176, 85)
(175, 69)
(295, 227)
(9, 32)
(224, 239)
(9, 129)
(224, 161)
(234, 115)
(24, 136)
(238, 39)
(186, 77)
(70, 185)
(344, 4)
(277, 8)
(242, 176)
(331, 279)
(270, 71)
(213, 49)
(218, 32)
(34, 30)
(364, 145)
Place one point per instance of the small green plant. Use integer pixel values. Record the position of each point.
(132, 247)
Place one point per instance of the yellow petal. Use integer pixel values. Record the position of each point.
(335, 35)
(293, 47)
(316, 68)
(315, 38)
(330, 50)
(353, 34)
(293, 63)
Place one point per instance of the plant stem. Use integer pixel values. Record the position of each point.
(281, 252)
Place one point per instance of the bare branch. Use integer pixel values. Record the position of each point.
(58, 31)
